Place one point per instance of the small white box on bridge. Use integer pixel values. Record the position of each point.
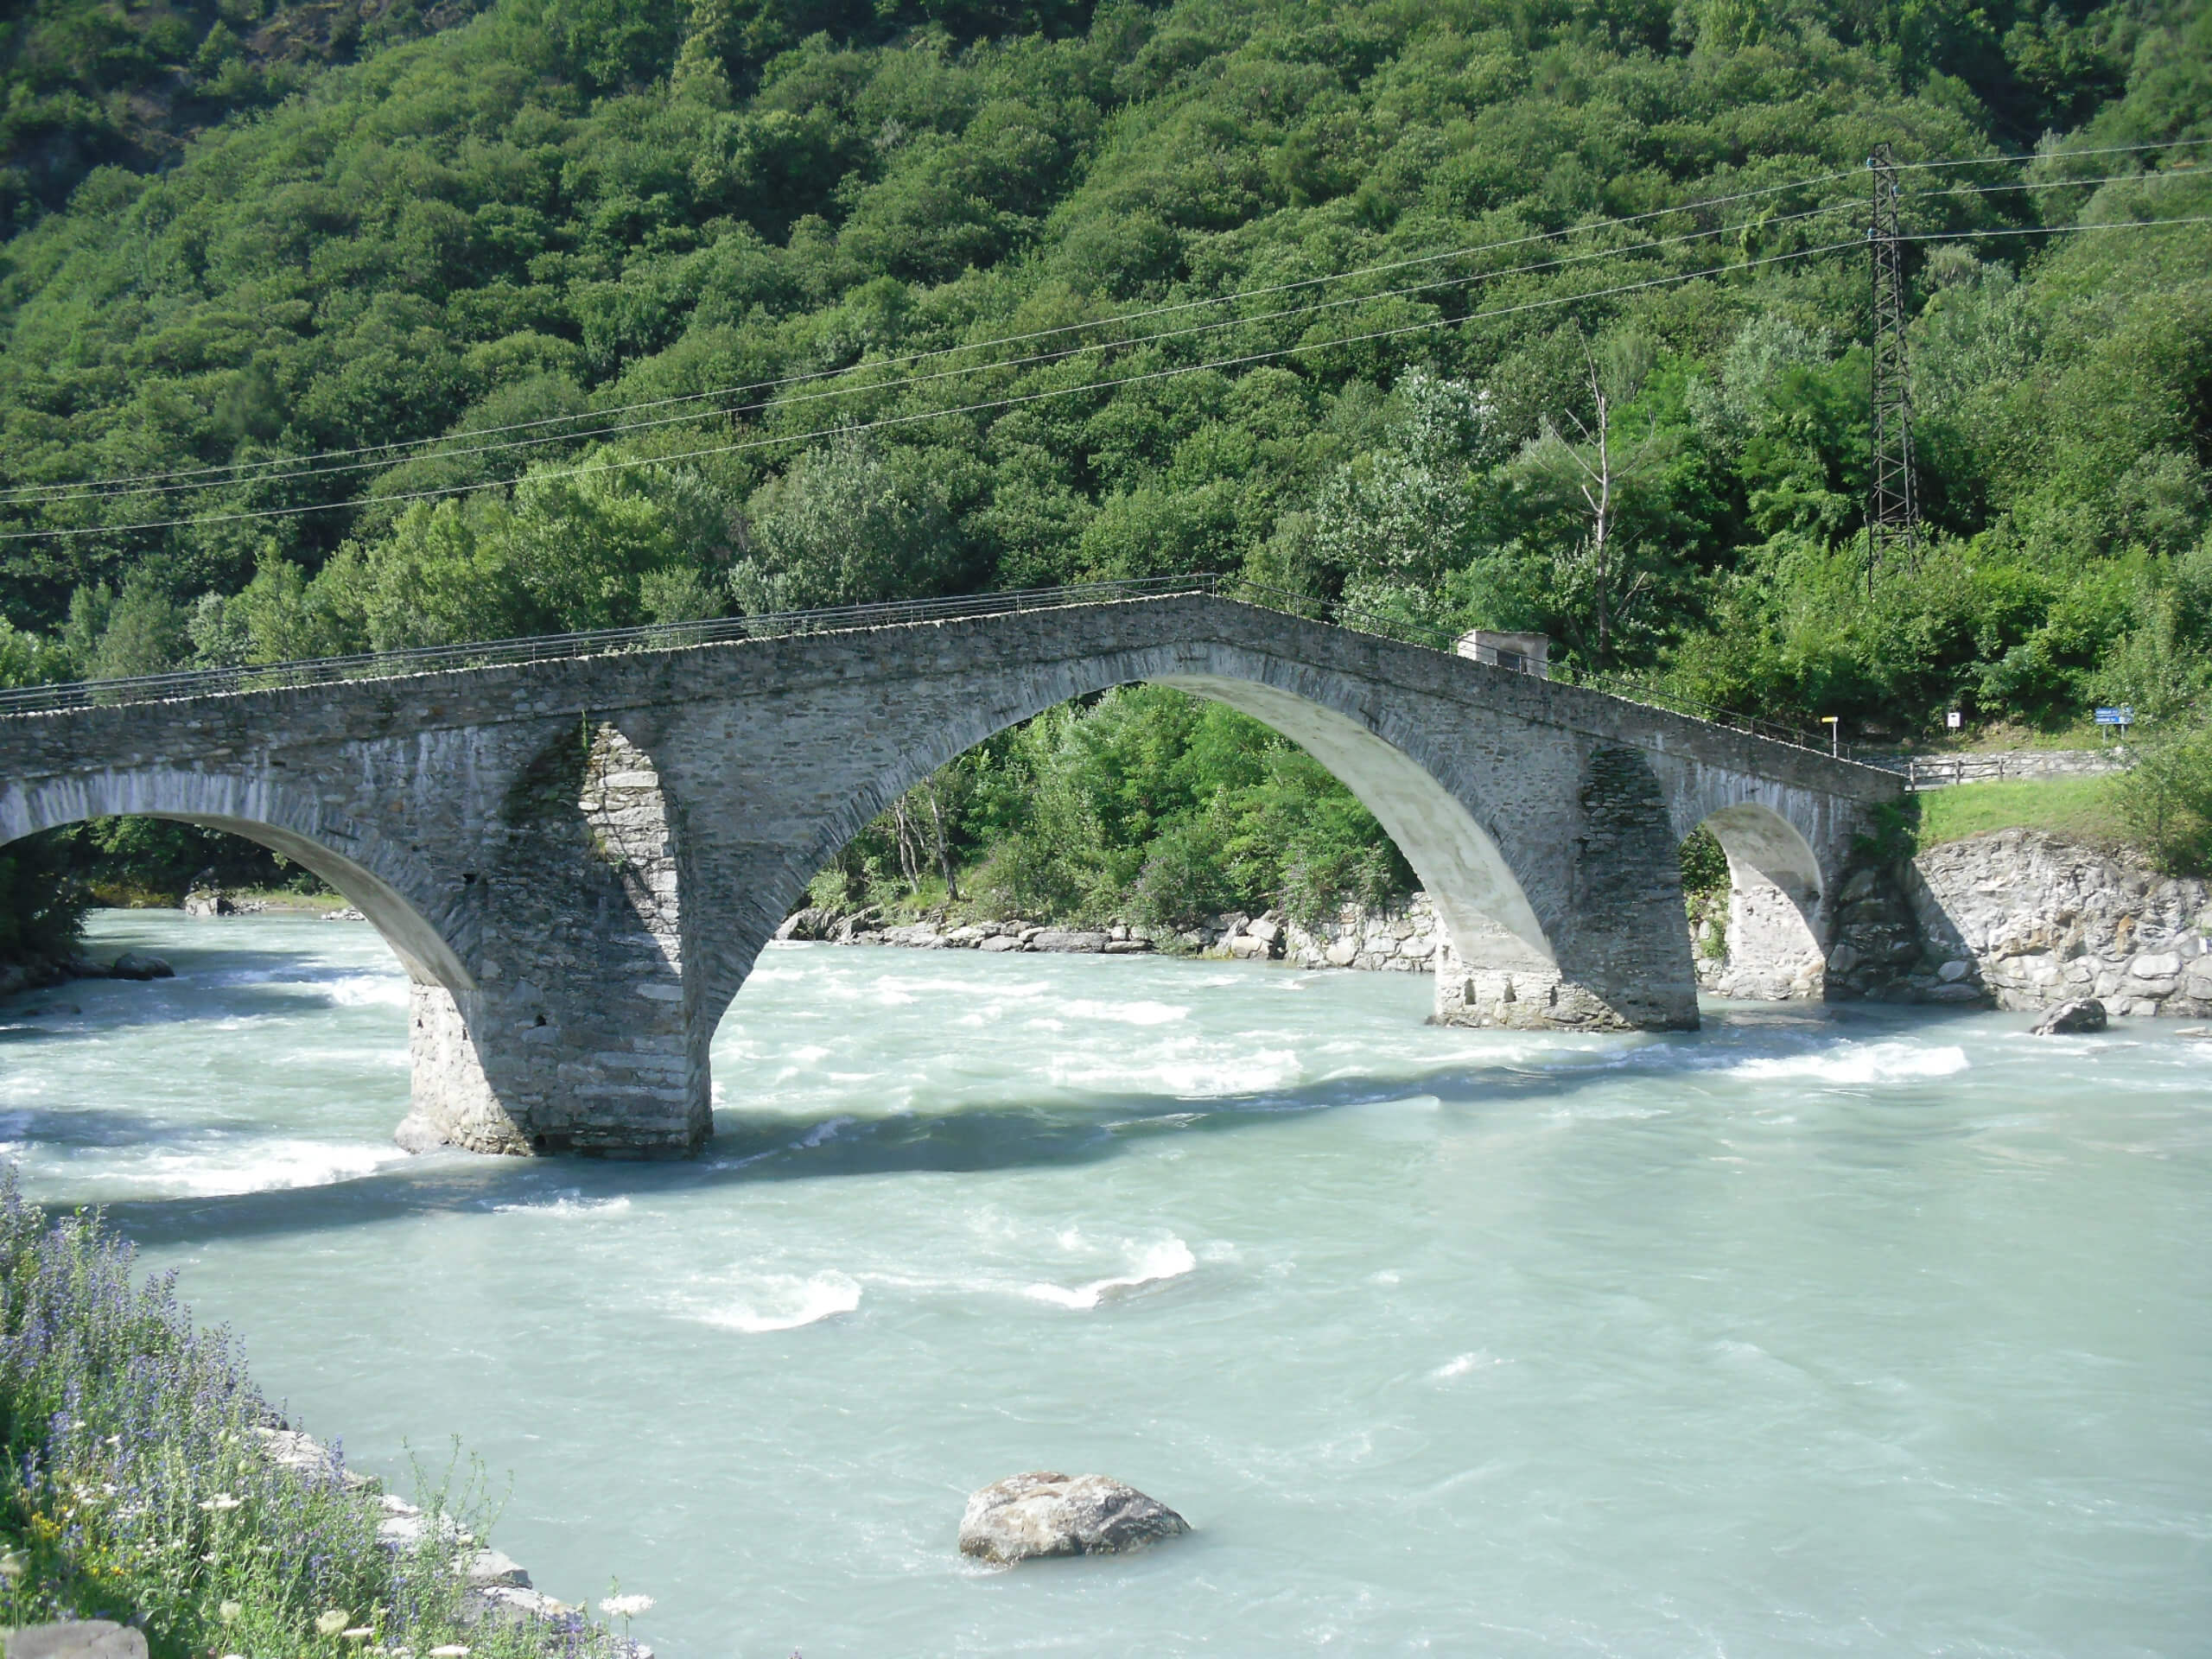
(1524, 653)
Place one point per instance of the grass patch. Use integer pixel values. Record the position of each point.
(2082, 809)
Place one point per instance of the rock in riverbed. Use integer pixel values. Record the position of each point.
(86, 1638)
(1047, 1514)
(136, 965)
(2082, 1014)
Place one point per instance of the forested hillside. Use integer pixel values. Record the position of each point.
(580, 312)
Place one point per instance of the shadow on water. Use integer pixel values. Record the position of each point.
(755, 1149)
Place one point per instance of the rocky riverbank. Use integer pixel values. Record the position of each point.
(2018, 918)
(1398, 939)
(2021, 919)
(43, 973)
(499, 1588)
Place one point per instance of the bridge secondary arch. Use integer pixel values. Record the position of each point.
(1777, 920)
(375, 880)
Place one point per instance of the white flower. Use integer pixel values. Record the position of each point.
(331, 1623)
(625, 1606)
(12, 1564)
(359, 1633)
(229, 1611)
(451, 1650)
(220, 1502)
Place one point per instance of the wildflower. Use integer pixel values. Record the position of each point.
(451, 1650)
(331, 1623)
(359, 1633)
(12, 1564)
(229, 1611)
(220, 1502)
(625, 1606)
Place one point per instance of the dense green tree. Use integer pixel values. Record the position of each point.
(573, 313)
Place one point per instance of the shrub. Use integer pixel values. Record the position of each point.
(2167, 800)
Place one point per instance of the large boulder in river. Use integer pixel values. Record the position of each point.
(2082, 1014)
(136, 965)
(1047, 1513)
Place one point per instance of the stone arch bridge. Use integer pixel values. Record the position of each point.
(578, 859)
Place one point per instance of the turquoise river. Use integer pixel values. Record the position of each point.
(1819, 1330)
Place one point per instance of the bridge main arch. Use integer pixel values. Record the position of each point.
(1490, 856)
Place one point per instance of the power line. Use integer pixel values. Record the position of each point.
(916, 356)
(1010, 402)
(905, 383)
(38, 493)
(2058, 230)
(2050, 184)
(2053, 155)
(766, 441)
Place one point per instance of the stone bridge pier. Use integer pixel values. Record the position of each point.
(579, 859)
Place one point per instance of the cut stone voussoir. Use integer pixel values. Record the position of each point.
(1048, 1514)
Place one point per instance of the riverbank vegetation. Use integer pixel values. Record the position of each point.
(602, 313)
(138, 1484)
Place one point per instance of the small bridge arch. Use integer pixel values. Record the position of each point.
(382, 883)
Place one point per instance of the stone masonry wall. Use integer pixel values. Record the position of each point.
(1944, 771)
(2023, 920)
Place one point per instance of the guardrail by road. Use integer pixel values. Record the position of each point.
(1925, 771)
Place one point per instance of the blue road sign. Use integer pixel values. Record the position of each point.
(2123, 716)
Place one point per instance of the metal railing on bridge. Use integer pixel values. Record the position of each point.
(669, 636)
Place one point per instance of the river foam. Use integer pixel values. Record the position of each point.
(1858, 1063)
(779, 1301)
(1154, 1264)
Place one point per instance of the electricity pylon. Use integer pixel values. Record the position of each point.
(1892, 513)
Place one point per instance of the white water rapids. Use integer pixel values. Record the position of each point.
(1819, 1330)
